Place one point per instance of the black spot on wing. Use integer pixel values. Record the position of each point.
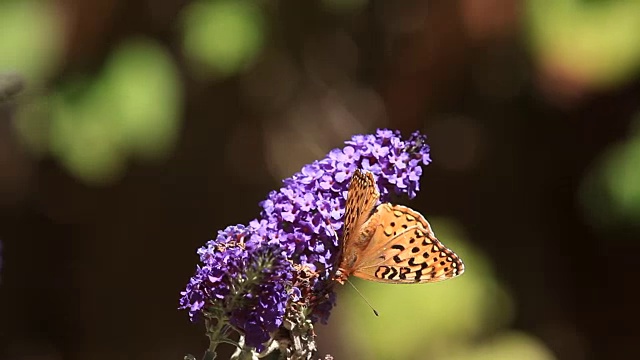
(382, 272)
(403, 272)
(392, 273)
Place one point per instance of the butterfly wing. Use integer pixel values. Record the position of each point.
(404, 249)
(362, 197)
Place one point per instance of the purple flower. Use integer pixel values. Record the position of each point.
(316, 195)
(250, 275)
(243, 279)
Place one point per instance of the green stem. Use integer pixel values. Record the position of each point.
(208, 355)
(230, 342)
(214, 334)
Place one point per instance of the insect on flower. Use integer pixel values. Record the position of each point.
(324, 223)
(390, 243)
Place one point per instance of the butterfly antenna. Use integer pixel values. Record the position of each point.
(363, 298)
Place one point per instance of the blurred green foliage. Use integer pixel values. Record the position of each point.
(596, 41)
(610, 192)
(222, 37)
(30, 39)
(505, 346)
(145, 85)
(622, 178)
(93, 124)
(434, 318)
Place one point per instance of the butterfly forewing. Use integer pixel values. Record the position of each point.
(361, 199)
(404, 249)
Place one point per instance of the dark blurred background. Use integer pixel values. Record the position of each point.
(131, 131)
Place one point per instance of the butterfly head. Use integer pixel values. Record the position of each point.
(340, 276)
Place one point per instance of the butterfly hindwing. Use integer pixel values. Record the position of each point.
(404, 249)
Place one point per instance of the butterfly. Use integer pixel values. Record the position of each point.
(389, 243)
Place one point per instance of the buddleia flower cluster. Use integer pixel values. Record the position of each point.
(270, 281)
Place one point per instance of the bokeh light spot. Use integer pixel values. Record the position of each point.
(222, 37)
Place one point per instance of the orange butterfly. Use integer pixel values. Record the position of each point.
(391, 243)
